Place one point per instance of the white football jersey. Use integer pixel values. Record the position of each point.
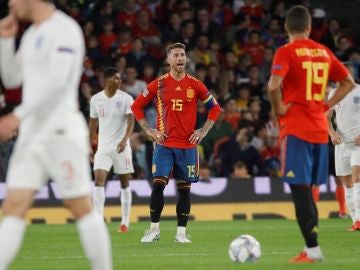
(348, 115)
(48, 64)
(111, 114)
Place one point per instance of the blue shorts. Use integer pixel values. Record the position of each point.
(183, 163)
(304, 163)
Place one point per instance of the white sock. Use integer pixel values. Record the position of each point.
(350, 203)
(155, 226)
(126, 199)
(357, 200)
(314, 252)
(95, 241)
(181, 230)
(99, 200)
(12, 231)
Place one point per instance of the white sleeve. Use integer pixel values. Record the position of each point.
(10, 68)
(129, 102)
(60, 59)
(93, 112)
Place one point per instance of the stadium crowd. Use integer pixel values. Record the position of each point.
(230, 45)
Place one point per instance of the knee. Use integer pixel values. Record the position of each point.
(183, 188)
(99, 181)
(159, 183)
(14, 207)
(124, 182)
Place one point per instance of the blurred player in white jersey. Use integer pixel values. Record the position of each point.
(346, 139)
(53, 136)
(110, 111)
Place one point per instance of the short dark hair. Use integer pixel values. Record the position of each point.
(109, 72)
(297, 19)
(175, 46)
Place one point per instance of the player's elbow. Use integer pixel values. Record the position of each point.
(348, 83)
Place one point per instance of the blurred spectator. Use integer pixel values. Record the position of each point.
(243, 97)
(255, 10)
(265, 66)
(128, 15)
(212, 79)
(236, 34)
(255, 85)
(220, 130)
(204, 26)
(201, 53)
(318, 27)
(120, 62)
(240, 171)
(107, 37)
(172, 29)
(186, 14)
(271, 155)
(103, 13)
(221, 13)
(187, 34)
(204, 172)
(260, 137)
(139, 159)
(242, 75)
(343, 46)
(93, 50)
(274, 35)
(278, 8)
(148, 73)
(254, 47)
(89, 30)
(238, 148)
(231, 113)
(138, 55)
(145, 29)
(132, 85)
(332, 34)
(123, 43)
(164, 10)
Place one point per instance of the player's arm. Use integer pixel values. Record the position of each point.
(339, 73)
(275, 97)
(129, 129)
(213, 108)
(335, 137)
(138, 109)
(93, 126)
(60, 55)
(345, 86)
(10, 69)
(279, 70)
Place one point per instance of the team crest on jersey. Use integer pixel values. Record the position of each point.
(118, 104)
(145, 93)
(190, 93)
(356, 99)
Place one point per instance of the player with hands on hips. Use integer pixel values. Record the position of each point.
(176, 95)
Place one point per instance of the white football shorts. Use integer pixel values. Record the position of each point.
(63, 160)
(347, 155)
(122, 162)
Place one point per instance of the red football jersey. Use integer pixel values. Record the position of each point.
(306, 67)
(176, 107)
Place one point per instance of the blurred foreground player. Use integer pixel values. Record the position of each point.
(299, 76)
(176, 94)
(53, 137)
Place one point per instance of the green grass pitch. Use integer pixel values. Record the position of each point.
(57, 246)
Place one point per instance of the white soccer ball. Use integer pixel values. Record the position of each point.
(244, 248)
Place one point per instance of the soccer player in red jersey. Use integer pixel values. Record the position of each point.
(176, 95)
(300, 72)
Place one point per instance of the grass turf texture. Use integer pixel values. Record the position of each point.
(57, 246)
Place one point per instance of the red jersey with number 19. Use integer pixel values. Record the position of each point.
(306, 67)
(176, 107)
